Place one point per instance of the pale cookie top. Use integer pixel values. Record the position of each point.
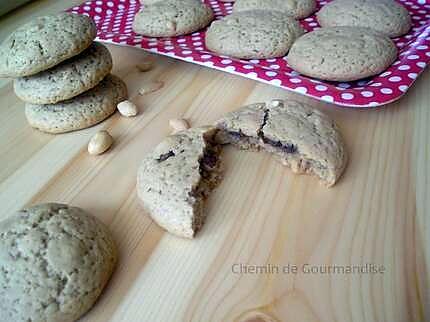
(80, 112)
(68, 79)
(54, 262)
(342, 53)
(297, 8)
(386, 16)
(175, 178)
(45, 42)
(303, 138)
(172, 18)
(253, 34)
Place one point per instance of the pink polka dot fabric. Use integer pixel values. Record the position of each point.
(114, 19)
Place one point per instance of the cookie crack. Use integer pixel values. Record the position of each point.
(285, 147)
(165, 156)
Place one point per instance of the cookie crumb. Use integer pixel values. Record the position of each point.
(151, 87)
(100, 143)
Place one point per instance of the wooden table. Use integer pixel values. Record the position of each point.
(261, 214)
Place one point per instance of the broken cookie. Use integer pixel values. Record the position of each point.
(177, 176)
(303, 138)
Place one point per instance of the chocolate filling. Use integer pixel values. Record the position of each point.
(165, 156)
(287, 148)
(209, 161)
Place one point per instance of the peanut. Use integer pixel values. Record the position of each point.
(145, 65)
(100, 143)
(127, 108)
(178, 125)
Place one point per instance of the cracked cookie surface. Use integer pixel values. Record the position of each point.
(54, 262)
(253, 34)
(303, 138)
(68, 79)
(45, 42)
(82, 111)
(386, 16)
(174, 179)
(172, 18)
(298, 9)
(342, 53)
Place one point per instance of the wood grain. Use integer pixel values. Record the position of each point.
(261, 214)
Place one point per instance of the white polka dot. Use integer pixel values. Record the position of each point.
(230, 68)
(206, 56)
(276, 82)
(403, 88)
(271, 74)
(422, 47)
(395, 79)
(252, 75)
(187, 52)
(421, 64)
(367, 93)
(248, 66)
(275, 66)
(347, 96)
(385, 74)
(375, 84)
(301, 89)
(327, 98)
(321, 88)
(404, 67)
(412, 75)
(413, 57)
(295, 80)
(386, 91)
(226, 61)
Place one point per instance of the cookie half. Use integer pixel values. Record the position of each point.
(298, 9)
(174, 180)
(253, 34)
(342, 53)
(80, 112)
(44, 43)
(68, 79)
(172, 18)
(302, 138)
(55, 261)
(386, 16)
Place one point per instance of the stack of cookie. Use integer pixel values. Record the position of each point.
(61, 74)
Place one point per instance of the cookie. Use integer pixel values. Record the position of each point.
(172, 18)
(55, 261)
(253, 34)
(174, 180)
(44, 43)
(386, 16)
(80, 112)
(298, 9)
(302, 138)
(342, 53)
(68, 79)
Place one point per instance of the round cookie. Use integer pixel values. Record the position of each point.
(342, 53)
(68, 79)
(80, 112)
(301, 137)
(299, 9)
(253, 34)
(44, 43)
(386, 16)
(172, 18)
(55, 261)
